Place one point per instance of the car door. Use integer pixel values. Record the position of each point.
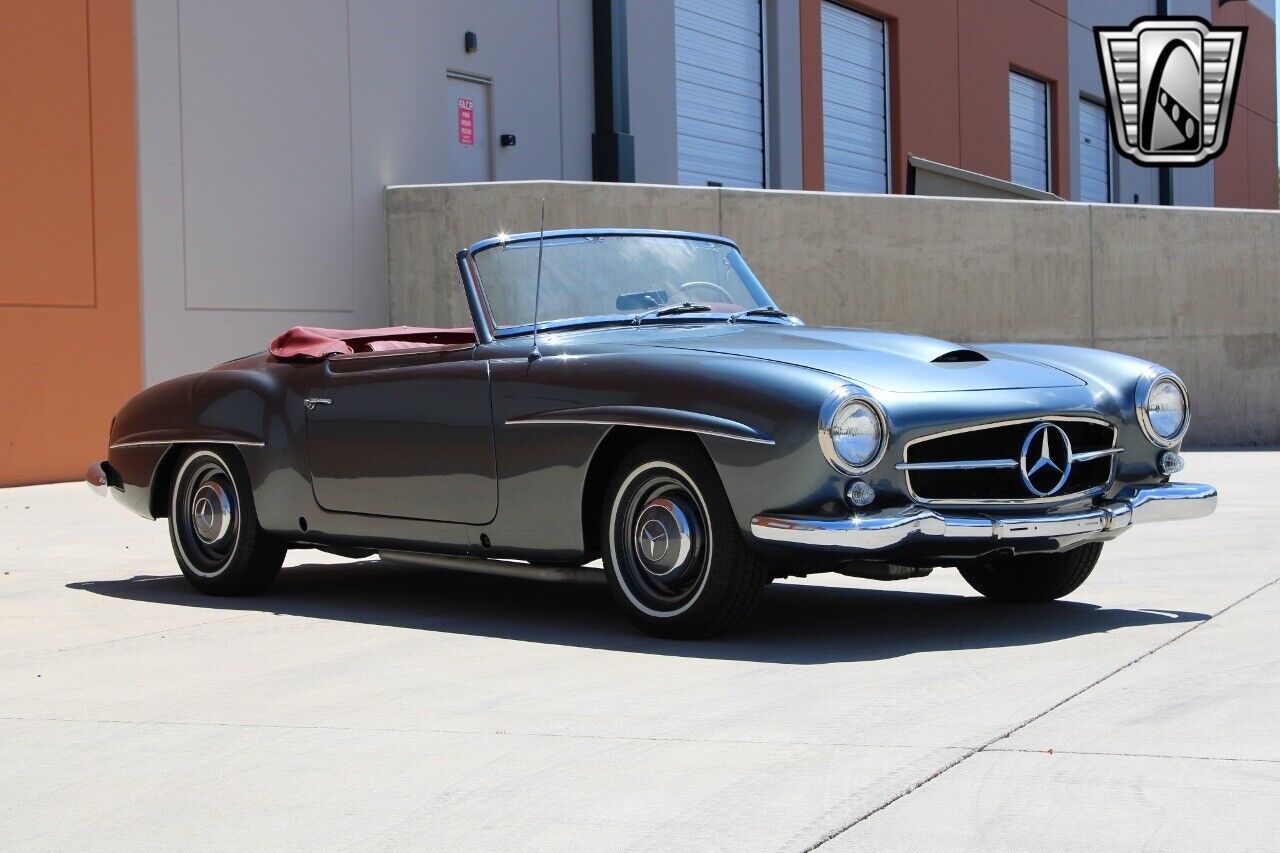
(407, 434)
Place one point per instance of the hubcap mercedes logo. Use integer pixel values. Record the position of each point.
(1046, 460)
(653, 539)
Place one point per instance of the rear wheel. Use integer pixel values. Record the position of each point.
(214, 527)
(1034, 577)
(675, 559)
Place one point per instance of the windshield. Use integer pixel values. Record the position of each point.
(614, 276)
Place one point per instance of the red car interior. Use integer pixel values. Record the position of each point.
(307, 343)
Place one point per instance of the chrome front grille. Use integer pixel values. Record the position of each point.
(987, 464)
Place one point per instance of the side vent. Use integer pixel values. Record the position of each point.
(959, 355)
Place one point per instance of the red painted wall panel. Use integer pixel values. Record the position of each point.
(70, 351)
(1245, 175)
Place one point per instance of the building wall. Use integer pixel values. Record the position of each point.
(1106, 276)
(267, 132)
(1130, 183)
(68, 246)
(1246, 171)
(949, 67)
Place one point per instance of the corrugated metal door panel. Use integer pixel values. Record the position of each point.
(854, 121)
(1095, 153)
(1029, 131)
(719, 93)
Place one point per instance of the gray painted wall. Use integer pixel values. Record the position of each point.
(268, 130)
(1191, 187)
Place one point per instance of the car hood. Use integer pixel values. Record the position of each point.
(889, 361)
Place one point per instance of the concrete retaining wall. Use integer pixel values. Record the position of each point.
(1196, 290)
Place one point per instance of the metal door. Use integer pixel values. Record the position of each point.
(407, 435)
(1029, 132)
(470, 142)
(1095, 153)
(855, 125)
(719, 93)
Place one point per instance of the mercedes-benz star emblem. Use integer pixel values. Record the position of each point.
(653, 539)
(1046, 460)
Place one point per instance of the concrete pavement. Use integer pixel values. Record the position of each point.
(376, 706)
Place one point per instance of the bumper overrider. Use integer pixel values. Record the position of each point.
(101, 478)
(918, 528)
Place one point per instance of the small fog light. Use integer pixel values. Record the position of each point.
(1171, 463)
(860, 494)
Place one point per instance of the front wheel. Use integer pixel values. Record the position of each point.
(674, 556)
(1034, 577)
(214, 527)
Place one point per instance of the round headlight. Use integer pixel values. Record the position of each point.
(852, 433)
(1163, 410)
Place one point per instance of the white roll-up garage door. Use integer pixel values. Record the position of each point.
(855, 127)
(719, 93)
(1095, 153)
(1029, 131)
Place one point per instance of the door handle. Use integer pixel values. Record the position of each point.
(312, 402)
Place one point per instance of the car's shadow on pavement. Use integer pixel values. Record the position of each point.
(794, 623)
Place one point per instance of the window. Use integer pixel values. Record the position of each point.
(1095, 153)
(1029, 132)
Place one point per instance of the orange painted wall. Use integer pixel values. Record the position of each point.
(949, 67)
(69, 312)
(1245, 174)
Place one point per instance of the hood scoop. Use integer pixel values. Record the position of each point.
(957, 356)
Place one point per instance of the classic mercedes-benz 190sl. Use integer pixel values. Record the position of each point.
(637, 397)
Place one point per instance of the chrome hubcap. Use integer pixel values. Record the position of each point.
(661, 542)
(211, 512)
(205, 515)
(664, 539)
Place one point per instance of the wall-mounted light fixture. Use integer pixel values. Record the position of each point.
(470, 43)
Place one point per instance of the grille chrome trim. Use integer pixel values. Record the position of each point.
(1113, 452)
(970, 465)
(1096, 454)
(978, 464)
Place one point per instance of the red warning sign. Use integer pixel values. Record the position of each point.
(466, 121)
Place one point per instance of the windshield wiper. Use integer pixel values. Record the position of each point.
(670, 310)
(767, 311)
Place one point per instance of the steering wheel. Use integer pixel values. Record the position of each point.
(689, 285)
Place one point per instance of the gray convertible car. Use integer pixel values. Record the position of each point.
(637, 397)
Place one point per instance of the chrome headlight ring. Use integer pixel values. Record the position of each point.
(1142, 398)
(835, 404)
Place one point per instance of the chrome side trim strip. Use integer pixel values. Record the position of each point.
(502, 568)
(165, 443)
(648, 417)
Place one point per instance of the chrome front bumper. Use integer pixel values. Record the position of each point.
(890, 529)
